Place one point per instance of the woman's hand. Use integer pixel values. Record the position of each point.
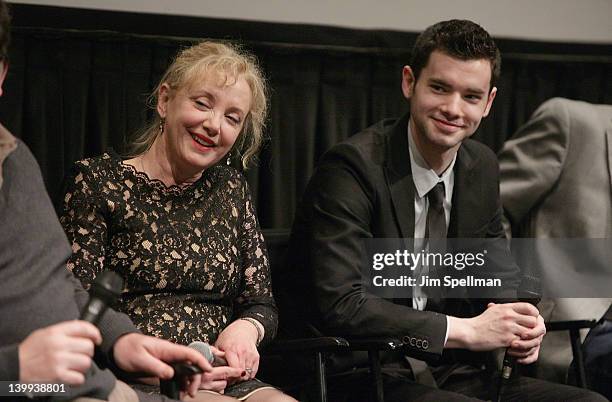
(218, 379)
(239, 342)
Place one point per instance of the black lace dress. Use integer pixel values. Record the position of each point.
(193, 258)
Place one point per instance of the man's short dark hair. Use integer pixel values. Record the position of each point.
(461, 39)
(5, 30)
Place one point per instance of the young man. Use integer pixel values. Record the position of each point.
(383, 183)
(41, 339)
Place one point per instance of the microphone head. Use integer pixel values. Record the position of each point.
(204, 349)
(107, 286)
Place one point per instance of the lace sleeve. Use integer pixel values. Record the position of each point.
(255, 300)
(82, 217)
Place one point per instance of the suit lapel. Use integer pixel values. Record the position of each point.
(464, 192)
(399, 176)
(401, 184)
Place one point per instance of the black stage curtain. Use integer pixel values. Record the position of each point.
(75, 90)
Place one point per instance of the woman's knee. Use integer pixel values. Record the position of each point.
(270, 395)
(204, 396)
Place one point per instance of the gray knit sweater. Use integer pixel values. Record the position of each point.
(36, 289)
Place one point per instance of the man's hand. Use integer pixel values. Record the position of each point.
(527, 349)
(498, 326)
(145, 354)
(239, 342)
(58, 353)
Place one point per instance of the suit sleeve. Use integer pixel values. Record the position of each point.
(335, 218)
(531, 162)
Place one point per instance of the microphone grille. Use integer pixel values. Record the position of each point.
(204, 349)
(107, 286)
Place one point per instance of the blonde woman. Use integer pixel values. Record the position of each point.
(178, 223)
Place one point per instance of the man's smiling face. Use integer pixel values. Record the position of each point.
(448, 100)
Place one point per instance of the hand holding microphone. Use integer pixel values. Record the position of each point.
(526, 349)
(143, 354)
(63, 352)
(137, 353)
(215, 380)
(58, 353)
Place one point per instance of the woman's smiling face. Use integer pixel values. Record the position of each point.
(204, 119)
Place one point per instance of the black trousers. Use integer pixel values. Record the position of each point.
(474, 386)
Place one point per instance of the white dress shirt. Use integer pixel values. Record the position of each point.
(425, 179)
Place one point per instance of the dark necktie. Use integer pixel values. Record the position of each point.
(435, 228)
(435, 232)
(436, 221)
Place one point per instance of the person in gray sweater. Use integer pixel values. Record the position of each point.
(41, 339)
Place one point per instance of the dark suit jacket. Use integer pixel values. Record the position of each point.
(363, 188)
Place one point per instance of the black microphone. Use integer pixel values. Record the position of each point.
(103, 293)
(171, 388)
(204, 349)
(530, 291)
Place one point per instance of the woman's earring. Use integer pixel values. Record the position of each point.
(229, 159)
(162, 123)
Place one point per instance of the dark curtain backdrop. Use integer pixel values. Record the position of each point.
(74, 91)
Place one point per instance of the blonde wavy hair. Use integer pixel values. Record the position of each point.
(231, 62)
